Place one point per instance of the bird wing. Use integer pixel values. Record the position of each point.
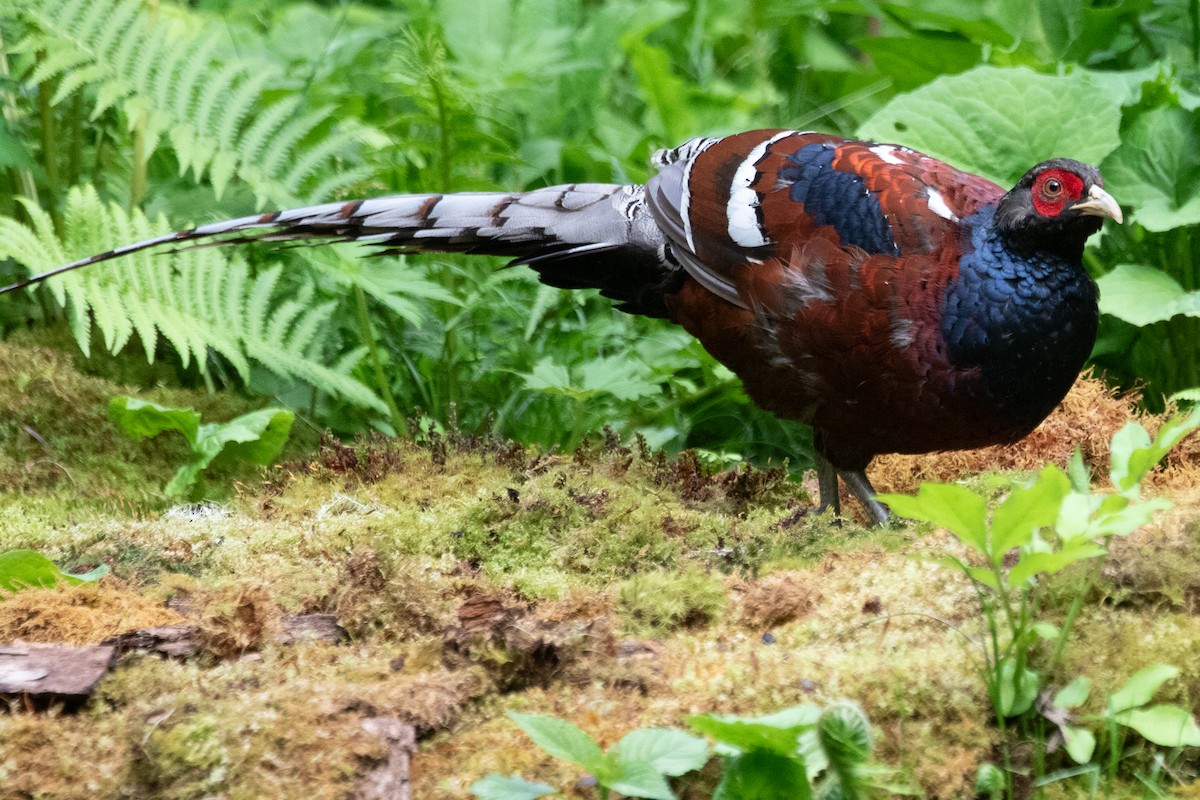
(728, 205)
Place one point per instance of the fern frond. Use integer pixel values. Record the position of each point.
(173, 79)
(200, 302)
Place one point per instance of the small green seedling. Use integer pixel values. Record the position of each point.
(27, 569)
(636, 766)
(1163, 724)
(1037, 530)
(257, 437)
(773, 757)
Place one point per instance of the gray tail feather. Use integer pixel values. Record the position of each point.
(576, 236)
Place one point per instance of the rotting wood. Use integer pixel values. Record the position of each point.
(389, 780)
(186, 641)
(43, 674)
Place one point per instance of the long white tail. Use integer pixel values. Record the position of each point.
(586, 235)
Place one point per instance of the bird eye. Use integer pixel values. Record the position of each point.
(1052, 188)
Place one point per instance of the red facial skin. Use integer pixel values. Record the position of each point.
(1053, 189)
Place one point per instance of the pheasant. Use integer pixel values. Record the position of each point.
(891, 301)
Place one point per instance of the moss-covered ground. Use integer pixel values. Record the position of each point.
(612, 586)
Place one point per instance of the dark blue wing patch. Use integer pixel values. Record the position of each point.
(840, 199)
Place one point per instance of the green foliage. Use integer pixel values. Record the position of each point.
(1051, 524)
(28, 569)
(211, 109)
(207, 303)
(992, 120)
(779, 755)
(257, 437)
(636, 766)
(168, 78)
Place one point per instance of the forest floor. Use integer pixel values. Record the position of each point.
(469, 576)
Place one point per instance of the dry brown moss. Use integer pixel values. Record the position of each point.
(1087, 418)
(778, 598)
(86, 614)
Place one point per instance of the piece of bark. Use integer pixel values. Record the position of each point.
(311, 628)
(389, 780)
(45, 674)
(186, 641)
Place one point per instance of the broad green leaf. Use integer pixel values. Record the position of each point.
(621, 376)
(1157, 169)
(1143, 295)
(141, 419)
(1080, 743)
(1025, 510)
(28, 569)
(845, 735)
(763, 775)
(1165, 725)
(1031, 564)
(776, 733)
(1074, 694)
(1051, 25)
(1018, 688)
(668, 751)
(1130, 518)
(946, 505)
(996, 120)
(257, 437)
(639, 779)
(500, 787)
(1074, 516)
(562, 740)
(549, 376)
(1141, 687)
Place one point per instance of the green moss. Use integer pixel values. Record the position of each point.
(660, 602)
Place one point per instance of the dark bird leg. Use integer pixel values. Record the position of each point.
(864, 493)
(827, 486)
(860, 487)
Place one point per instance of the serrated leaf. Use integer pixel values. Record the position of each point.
(776, 733)
(1157, 168)
(1031, 564)
(991, 120)
(946, 505)
(562, 740)
(668, 751)
(763, 775)
(500, 787)
(1027, 509)
(639, 779)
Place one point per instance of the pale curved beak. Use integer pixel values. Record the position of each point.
(1100, 204)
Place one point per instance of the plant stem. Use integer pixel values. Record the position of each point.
(24, 177)
(381, 380)
(49, 147)
(1085, 586)
(138, 181)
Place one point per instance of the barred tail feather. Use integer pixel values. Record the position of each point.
(573, 236)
